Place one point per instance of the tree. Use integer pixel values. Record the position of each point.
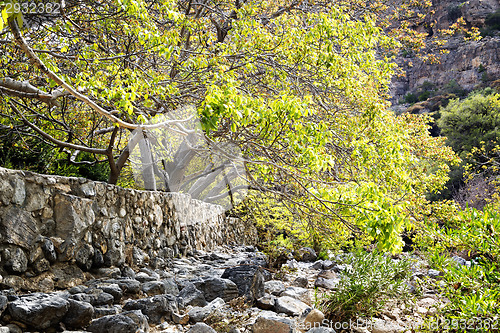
(466, 123)
(299, 86)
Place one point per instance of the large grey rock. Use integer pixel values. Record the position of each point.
(306, 254)
(3, 303)
(272, 325)
(18, 227)
(266, 302)
(156, 307)
(73, 215)
(49, 250)
(17, 262)
(326, 283)
(79, 314)
(129, 286)
(101, 311)
(152, 288)
(214, 287)
(301, 282)
(274, 287)
(39, 311)
(459, 260)
(170, 287)
(189, 295)
(302, 294)
(201, 328)
(112, 289)
(198, 314)
(290, 306)
(84, 257)
(248, 279)
(434, 273)
(126, 322)
(96, 297)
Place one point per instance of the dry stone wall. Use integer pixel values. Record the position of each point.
(49, 221)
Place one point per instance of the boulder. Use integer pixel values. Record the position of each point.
(96, 297)
(198, 314)
(274, 287)
(290, 306)
(16, 261)
(152, 288)
(301, 282)
(18, 227)
(314, 319)
(302, 294)
(112, 289)
(39, 310)
(306, 254)
(156, 307)
(170, 287)
(201, 328)
(3, 304)
(214, 287)
(248, 279)
(434, 274)
(126, 322)
(326, 283)
(49, 251)
(84, 257)
(266, 302)
(79, 314)
(128, 286)
(189, 295)
(272, 325)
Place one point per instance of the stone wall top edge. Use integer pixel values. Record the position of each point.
(5, 172)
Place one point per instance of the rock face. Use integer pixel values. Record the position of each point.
(469, 64)
(45, 220)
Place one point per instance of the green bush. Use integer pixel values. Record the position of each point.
(466, 123)
(454, 13)
(410, 98)
(369, 282)
(493, 21)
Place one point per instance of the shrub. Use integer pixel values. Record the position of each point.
(454, 13)
(410, 98)
(369, 282)
(493, 21)
(468, 122)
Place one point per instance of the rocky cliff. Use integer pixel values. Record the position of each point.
(466, 64)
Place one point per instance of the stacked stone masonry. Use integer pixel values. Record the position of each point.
(48, 222)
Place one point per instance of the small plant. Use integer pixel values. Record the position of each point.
(473, 290)
(372, 280)
(410, 98)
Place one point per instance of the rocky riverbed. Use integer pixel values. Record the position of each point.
(227, 290)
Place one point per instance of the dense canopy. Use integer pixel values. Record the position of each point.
(299, 86)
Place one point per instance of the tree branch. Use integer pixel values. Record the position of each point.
(54, 140)
(35, 60)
